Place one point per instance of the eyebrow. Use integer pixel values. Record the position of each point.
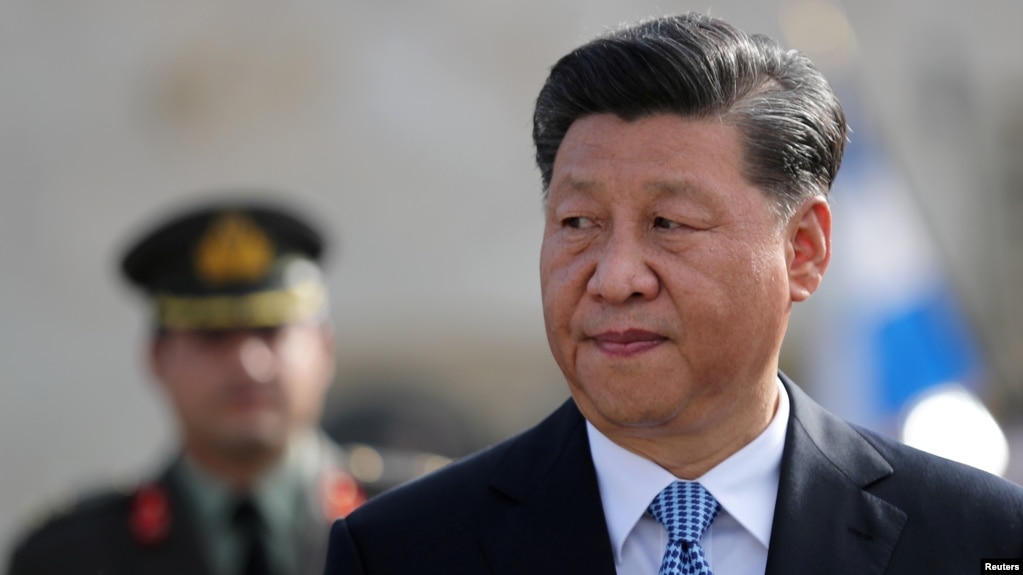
(675, 187)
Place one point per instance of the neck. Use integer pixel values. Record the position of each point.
(239, 469)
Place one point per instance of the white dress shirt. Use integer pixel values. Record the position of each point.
(745, 484)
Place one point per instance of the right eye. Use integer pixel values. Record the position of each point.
(577, 222)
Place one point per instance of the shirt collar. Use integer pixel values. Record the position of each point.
(279, 494)
(745, 484)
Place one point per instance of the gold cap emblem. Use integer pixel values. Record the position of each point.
(234, 249)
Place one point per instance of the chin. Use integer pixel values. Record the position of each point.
(640, 419)
(625, 412)
(258, 442)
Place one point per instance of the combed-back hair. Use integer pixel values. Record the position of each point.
(792, 124)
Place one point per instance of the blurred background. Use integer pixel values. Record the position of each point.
(404, 128)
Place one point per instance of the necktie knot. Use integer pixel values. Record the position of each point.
(246, 518)
(686, 510)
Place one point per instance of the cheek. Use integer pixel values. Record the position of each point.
(192, 390)
(769, 277)
(562, 287)
(187, 377)
(563, 278)
(560, 299)
(550, 286)
(754, 268)
(753, 303)
(304, 371)
(727, 293)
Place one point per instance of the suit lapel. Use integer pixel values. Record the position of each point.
(824, 520)
(552, 519)
(545, 493)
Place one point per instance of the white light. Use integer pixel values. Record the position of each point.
(951, 422)
(366, 463)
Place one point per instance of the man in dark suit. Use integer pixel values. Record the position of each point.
(686, 168)
(242, 348)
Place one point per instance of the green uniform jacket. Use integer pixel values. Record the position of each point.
(103, 535)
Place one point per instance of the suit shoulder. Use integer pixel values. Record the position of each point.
(931, 473)
(69, 529)
(467, 486)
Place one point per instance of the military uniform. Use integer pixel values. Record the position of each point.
(229, 266)
(170, 525)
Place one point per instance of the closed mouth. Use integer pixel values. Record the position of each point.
(627, 342)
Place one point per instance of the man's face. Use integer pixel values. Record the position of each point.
(667, 278)
(240, 393)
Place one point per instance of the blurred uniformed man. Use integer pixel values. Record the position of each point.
(243, 350)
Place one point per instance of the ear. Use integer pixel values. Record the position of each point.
(809, 249)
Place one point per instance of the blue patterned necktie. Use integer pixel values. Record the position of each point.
(686, 510)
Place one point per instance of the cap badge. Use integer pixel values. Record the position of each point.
(233, 249)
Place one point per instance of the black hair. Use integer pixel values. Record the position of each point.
(792, 124)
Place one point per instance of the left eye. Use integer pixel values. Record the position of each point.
(666, 224)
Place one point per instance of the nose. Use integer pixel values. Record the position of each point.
(257, 359)
(623, 272)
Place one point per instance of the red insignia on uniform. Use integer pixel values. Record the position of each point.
(341, 494)
(150, 514)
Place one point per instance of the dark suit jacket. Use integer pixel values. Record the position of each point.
(95, 538)
(850, 502)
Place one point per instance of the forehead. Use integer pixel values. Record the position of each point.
(665, 153)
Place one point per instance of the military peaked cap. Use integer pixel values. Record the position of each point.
(230, 265)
